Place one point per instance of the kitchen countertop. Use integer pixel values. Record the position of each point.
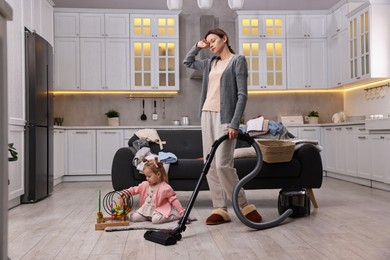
(360, 122)
(129, 127)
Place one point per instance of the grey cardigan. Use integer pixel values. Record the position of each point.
(234, 88)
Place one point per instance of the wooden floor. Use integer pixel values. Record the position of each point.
(352, 222)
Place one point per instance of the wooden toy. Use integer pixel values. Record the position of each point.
(117, 204)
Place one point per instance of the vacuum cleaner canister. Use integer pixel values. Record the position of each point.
(295, 199)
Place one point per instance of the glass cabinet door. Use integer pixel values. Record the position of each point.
(364, 44)
(275, 66)
(262, 26)
(154, 65)
(359, 46)
(151, 26)
(266, 63)
(167, 64)
(141, 64)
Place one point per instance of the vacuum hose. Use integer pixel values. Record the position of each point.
(170, 237)
(246, 179)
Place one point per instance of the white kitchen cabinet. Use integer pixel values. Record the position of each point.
(92, 63)
(15, 64)
(306, 26)
(104, 25)
(67, 64)
(104, 64)
(307, 63)
(16, 168)
(38, 17)
(59, 156)
(66, 24)
(310, 133)
(81, 152)
(154, 26)
(338, 59)
(266, 60)
(340, 149)
(379, 151)
(345, 150)
(154, 52)
(363, 155)
(108, 142)
(154, 64)
(337, 21)
(329, 145)
(368, 31)
(261, 26)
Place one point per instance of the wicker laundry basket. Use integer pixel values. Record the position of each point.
(276, 151)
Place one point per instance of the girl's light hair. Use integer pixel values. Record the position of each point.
(155, 166)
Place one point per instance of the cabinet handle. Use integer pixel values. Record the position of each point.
(309, 129)
(337, 30)
(328, 129)
(362, 129)
(348, 128)
(338, 128)
(81, 132)
(107, 132)
(361, 137)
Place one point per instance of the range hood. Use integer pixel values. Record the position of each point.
(207, 22)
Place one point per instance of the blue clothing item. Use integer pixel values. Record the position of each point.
(167, 157)
(275, 127)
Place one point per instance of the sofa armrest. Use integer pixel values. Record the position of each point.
(311, 163)
(123, 172)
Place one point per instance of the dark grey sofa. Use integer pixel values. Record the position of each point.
(303, 171)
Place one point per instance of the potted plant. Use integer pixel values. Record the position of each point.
(312, 117)
(113, 117)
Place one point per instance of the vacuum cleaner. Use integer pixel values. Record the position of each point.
(170, 237)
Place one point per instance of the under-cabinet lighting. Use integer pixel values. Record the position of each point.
(113, 92)
(331, 90)
(285, 91)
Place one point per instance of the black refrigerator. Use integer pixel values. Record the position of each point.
(39, 118)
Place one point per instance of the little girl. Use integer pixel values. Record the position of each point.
(156, 196)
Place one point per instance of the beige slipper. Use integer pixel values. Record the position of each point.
(218, 216)
(250, 212)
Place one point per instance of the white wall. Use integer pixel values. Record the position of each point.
(356, 103)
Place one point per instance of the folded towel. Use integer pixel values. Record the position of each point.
(255, 124)
(167, 157)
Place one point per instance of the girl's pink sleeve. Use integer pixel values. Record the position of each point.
(176, 204)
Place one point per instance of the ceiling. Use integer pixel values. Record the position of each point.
(162, 4)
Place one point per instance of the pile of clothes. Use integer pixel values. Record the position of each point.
(144, 153)
(264, 128)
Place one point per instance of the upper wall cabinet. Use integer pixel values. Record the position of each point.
(66, 24)
(266, 60)
(261, 26)
(154, 52)
(38, 17)
(153, 26)
(369, 52)
(337, 20)
(305, 26)
(104, 25)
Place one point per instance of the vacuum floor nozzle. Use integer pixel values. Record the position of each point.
(160, 237)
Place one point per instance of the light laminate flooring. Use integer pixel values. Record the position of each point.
(352, 222)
